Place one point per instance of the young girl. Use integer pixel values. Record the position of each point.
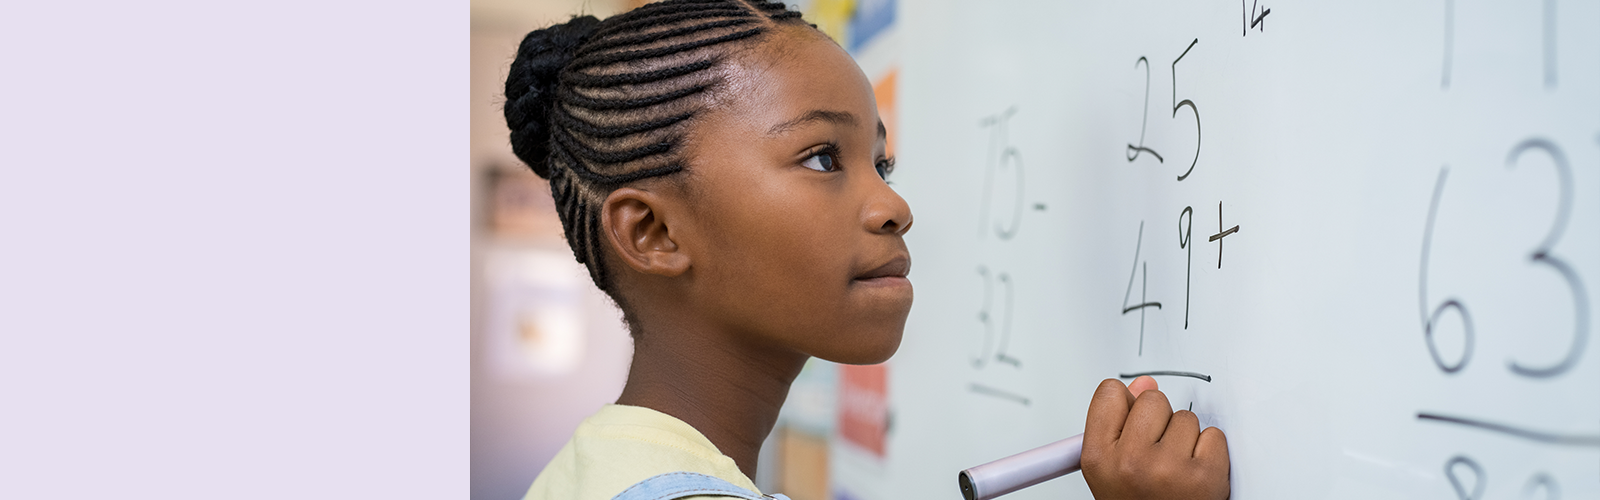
(719, 166)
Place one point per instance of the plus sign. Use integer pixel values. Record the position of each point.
(1221, 234)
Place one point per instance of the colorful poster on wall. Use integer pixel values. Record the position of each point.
(870, 19)
(864, 407)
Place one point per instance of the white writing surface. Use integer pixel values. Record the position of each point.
(1362, 238)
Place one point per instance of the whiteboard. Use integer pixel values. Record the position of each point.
(1405, 309)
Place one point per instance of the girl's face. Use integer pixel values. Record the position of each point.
(795, 238)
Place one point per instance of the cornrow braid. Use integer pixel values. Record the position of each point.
(595, 105)
(663, 34)
(636, 55)
(768, 7)
(645, 22)
(590, 129)
(585, 80)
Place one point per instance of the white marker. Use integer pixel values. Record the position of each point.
(1022, 470)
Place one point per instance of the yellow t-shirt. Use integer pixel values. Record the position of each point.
(621, 445)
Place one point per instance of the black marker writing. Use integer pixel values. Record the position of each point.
(1542, 480)
(1176, 104)
(1166, 373)
(1510, 430)
(1221, 234)
(999, 340)
(1185, 232)
(1543, 255)
(999, 393)
(1478, 481)
(1429, 321)
(1261, 15)
(1143, 287)
(1001, 157)
(1134, 151)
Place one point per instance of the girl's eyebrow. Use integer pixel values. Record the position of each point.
(833, 117)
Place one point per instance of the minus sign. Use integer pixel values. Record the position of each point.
(1038, 206)
(1219, 236)
(1002, 394)
(1166, 373)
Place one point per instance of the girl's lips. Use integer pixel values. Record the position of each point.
(895, 270)
(888, 281)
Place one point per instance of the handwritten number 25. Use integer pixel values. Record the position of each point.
(1134, 150)
(1177, 104)
(1144, 119)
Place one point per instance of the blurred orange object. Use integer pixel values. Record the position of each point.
(884, 89)
(864, 406)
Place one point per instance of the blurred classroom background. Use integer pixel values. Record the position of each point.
(548, 349)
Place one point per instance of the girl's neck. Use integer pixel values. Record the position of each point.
(728, 389)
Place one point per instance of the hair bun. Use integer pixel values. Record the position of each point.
(531, 87)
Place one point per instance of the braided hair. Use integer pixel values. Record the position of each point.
(594, 105)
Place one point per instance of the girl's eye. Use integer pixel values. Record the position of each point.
(821, 162)
(885, 167)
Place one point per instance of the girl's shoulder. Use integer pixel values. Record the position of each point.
(619, 446)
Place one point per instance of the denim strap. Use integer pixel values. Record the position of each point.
(675, 485)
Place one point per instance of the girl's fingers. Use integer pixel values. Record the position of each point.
(1147, 421)
(1139, 448)
(1212, 448)
(1108, 411)
(1183, 430)
(1141, 384)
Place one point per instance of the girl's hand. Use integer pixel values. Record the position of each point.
(1136, 448)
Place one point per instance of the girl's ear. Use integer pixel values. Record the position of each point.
(636, 230)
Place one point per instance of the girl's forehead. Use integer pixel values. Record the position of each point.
(795, 71)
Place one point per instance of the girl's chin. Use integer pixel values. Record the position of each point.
(864, 352)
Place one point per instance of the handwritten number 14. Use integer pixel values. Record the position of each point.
(1260, 11)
